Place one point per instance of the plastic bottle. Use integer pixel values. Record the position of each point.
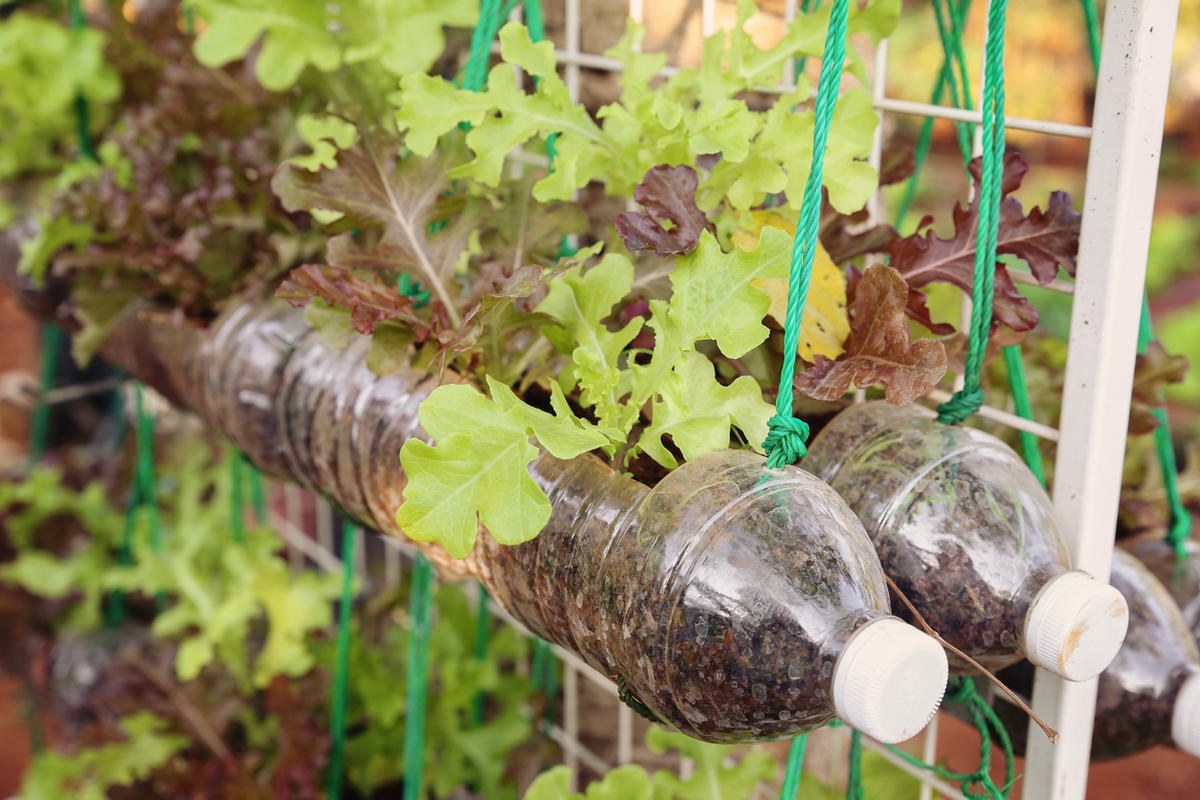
(967, 533)
(1181, 577)
(1150, 693)
(733, 602)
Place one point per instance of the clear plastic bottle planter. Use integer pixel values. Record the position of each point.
(732, 602)
(967, 533)
(1181, 577)
(1150, 693)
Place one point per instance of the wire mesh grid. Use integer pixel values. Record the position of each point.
(306, 522)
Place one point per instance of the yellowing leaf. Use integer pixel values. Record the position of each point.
(825, 325)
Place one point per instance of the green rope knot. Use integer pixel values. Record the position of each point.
(786, 441)
(963, 404)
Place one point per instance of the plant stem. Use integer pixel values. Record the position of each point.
(1051, 734)
(193, 716)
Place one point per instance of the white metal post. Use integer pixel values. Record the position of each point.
(1119, 203)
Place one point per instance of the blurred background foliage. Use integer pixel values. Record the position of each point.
(1049, 77)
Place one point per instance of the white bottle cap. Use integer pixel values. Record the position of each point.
(1075, 626)
(1185, 719)
(889, 680)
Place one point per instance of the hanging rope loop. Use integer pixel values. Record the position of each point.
(968, 399)
(787, 436)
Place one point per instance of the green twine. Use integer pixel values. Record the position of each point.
(237, 504)
(35, 732)
(147, 483)
(483, 629)
(83, 125)
(143, 497)
(475, 74)
(795, 765)
(1091, 21)
(787, 435)
(1020, 396)
(545, 674)
(144, 470)
(475, 71)
(967, 400)
(116, 610)
(964, 403)
(258, 498)
(51, 335)
(960, 96)
(418, 678)
(337, 717)
(854, 784)
(800, 63)
(925, 137)
(51, 346)
(958, 14)
(1181, 522)
(962, 690)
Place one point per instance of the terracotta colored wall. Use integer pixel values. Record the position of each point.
(1158, 774)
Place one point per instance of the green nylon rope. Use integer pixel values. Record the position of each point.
(76, 20)
(40, 434)
(51, 335)
(962, 690)
(418, 678)
(795, 764)
(258, 498)
(1020, 395)
(800, 63)
(116, 610)
(237, 503)
(474, 77)
(854, 785)
(960, 93)
(946, 78)
(483, 630)
(337, 716)
(787, 435)
(921, 151)
(147, 488)
(545, 667)
(958, 13)
(967, 400)
(1181, 522)
(475, 71)
(143, 498)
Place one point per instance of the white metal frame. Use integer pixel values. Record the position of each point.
(1121, 181)
(1122, 176)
